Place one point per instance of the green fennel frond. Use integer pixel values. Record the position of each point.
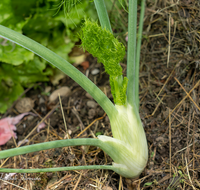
(68, 4)
(102, 44)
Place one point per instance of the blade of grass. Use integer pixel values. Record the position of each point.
(49, 145)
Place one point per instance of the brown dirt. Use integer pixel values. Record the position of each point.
(169, 109)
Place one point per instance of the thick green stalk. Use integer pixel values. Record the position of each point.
(49, 145)
(139, 37)
(61, 64)
(132, 66)
(118, 96)
(98, 167)
(102, 14)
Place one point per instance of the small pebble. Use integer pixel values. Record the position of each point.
(95, 71)
(160, 139)
(30, 117)
(63, 91)
(24, 105)
(69, 131)
(91, 104)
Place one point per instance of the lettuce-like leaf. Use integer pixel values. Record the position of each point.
(13, 79)
(9, 52)
(39, 20)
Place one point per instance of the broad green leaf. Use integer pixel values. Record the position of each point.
(14, 78)
(13, 54)
(40, 21)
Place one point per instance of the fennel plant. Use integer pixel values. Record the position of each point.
(128, 146)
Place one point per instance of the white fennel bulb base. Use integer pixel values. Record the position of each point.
(128, 147)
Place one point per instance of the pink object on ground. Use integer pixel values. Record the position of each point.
(41, 126)
(7, 127)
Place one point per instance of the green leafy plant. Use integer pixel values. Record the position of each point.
(38, 20)
(128, 146)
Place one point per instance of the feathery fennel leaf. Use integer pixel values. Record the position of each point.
(103, 45)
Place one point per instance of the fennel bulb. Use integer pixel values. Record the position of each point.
(128, 147)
